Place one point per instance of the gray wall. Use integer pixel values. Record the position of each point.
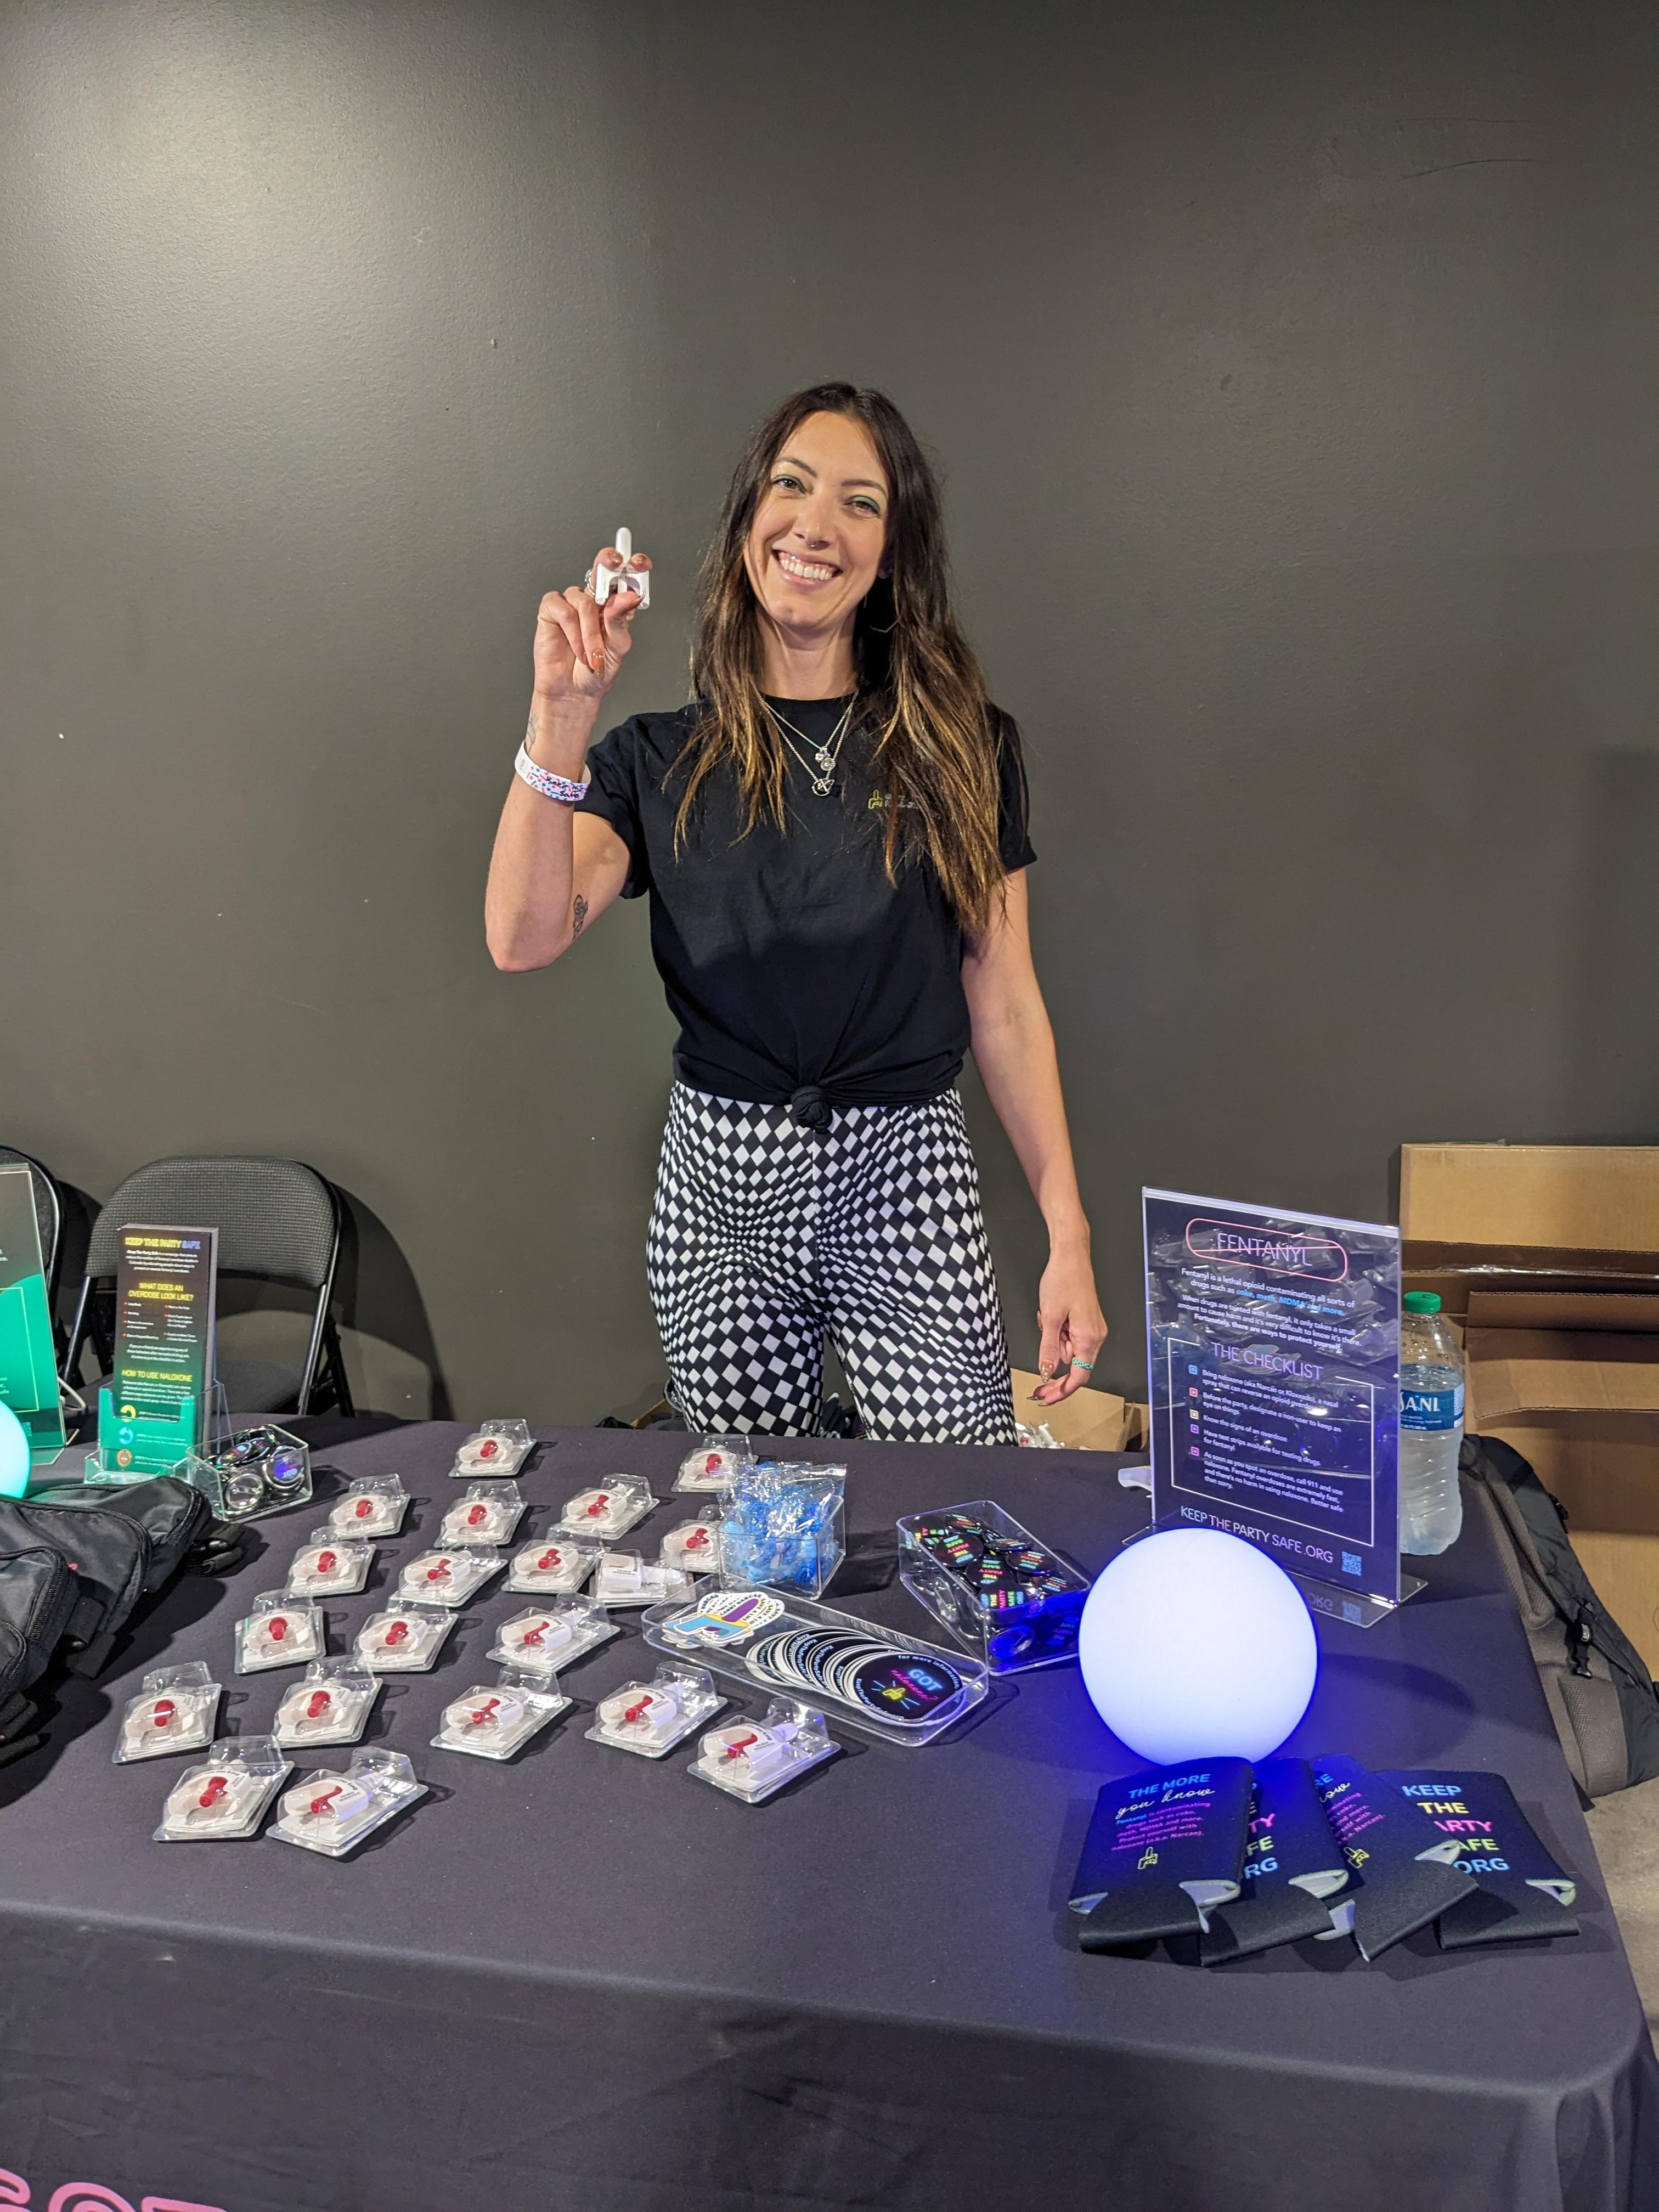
(1293, 370)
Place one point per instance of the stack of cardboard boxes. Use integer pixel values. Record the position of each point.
(1547, 1256)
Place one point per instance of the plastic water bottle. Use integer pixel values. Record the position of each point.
(1430, 1425)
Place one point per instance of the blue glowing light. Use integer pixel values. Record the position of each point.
(14, 1455)
(1194, 1645)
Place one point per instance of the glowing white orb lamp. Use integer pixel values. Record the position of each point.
(1194, 1645)
(14, 1455)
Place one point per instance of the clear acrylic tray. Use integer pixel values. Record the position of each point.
(939, 1689)
(1010, 1641)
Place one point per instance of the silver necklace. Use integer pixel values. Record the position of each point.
(826, 756)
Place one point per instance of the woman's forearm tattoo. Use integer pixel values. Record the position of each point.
(579, 913)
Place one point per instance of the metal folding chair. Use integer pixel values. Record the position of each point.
(278, 1222)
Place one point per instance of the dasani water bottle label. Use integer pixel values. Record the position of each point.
(1431, 1409)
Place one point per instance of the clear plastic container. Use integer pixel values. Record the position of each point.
(1018, 1623)
(374, 1506)
(485, 1513)
(331, 1706)
(694, 1547)
(496, 1720)
(553, 1635)
(893, 1686)
(608, 1508)
(493, 1447)
(783, 1526)
(752, 1760)
(626, 1579)
(713, 1462)
(1430, 1425)
(328, 1566)
(278, 1631)
(175, 1711)
(448, 1578)
(224, 1800)
(650, 1718)
(554, 1566)
(255, 1473)
(404, 1638)
(332, 1813)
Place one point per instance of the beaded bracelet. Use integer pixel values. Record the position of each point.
(542, 780)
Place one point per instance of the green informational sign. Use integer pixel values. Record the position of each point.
(28, 1361)
(153, 1411)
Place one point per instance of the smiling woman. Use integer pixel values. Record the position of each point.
(832, 835)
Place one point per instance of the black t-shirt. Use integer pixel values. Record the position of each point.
(788, 957)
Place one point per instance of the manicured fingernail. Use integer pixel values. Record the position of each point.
(597, 660)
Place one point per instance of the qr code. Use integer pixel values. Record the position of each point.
(1352, 1564)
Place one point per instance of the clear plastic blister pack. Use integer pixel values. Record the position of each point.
(781, 1525)
(610, 1509)
(331, 1706)
(713, 1463)
(175, 1711)
(652, 1717)
(404, 1638)
(373, 1507)
(224, 1799)
(279, 1631)
(487, 1722)
(754, 1760)
(878, 1679)
(552, 1635)
(629, 1579)
(694, 1547)
(328, 1566)
(1010, 1600)
(494, 1447)
(333, 1812)
(486, 1513)
(448, 1578)
(554, 1566)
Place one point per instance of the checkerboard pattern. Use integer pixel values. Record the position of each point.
(765, 1238)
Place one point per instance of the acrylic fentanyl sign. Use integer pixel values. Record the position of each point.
(1273, 1346)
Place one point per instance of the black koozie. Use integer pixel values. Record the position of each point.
(1400, 1883)
(1522, 1892)
(1164, 1846)
(1291, 1864)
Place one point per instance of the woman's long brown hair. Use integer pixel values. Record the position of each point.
(920, 688)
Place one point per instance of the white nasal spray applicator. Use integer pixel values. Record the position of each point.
(607, 581)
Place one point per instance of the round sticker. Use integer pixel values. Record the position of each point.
(906, 1687)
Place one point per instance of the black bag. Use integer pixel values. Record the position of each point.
(110, 1554)
(37, 1595)
(1600, 1694)
(174, 1516)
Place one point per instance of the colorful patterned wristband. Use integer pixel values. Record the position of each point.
(542, 780)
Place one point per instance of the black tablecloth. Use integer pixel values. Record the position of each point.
(586, 1980)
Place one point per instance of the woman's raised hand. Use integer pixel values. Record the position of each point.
(580, 644)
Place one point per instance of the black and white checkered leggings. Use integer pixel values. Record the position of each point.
(765, 1238)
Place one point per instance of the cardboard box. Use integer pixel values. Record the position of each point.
(1547, 1258)
(1089, 1420)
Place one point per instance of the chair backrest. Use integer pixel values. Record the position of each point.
(277, 1218)
(48, 1213)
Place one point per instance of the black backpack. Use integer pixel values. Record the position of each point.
(1600, 1694)
(175, 1518)
(37, 1596)
(110, 1554)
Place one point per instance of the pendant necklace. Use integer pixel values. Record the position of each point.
(825, 756)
